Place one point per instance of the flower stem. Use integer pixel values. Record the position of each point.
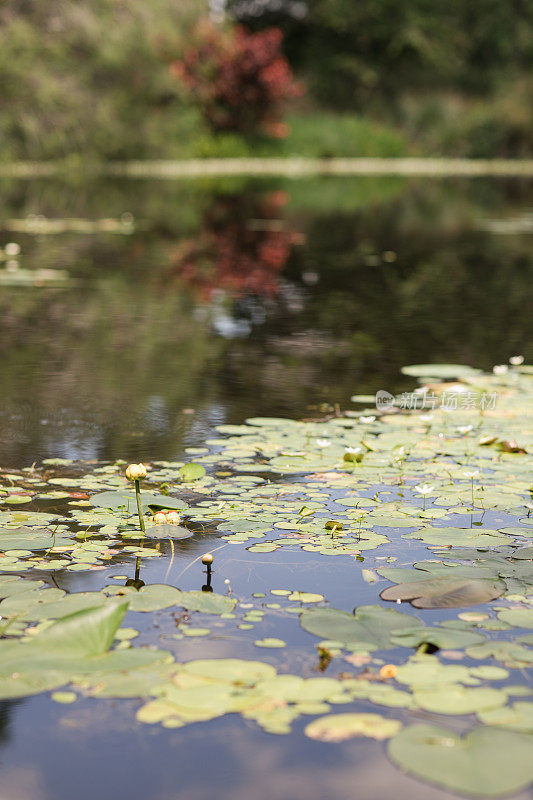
(139, 507)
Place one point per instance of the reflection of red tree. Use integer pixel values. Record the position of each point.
(242, 249)
(240, 80)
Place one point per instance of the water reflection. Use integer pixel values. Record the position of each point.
(218, 302)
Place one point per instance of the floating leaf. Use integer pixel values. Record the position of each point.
(456, 699)
(518, 717)
(517, 617)
(191, 472)
(273, 643)
(485, 763)
(370, 625)
(339, 727)
(444, 638)
(445, 592)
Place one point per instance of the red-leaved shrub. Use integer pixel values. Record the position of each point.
(240, 80)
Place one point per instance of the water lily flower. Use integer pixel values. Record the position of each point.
(135, 472)
(465, 428)
(367, 420)
(471, 475)
(353, 454)
(323, 443)
(516, 360)
(424, 489)
(500, 369)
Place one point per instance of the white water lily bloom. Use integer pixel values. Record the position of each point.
(367, 420)
(426, 417)
(472, 475)
(465, 428)
(323, 442)
(352, 451)
(135, 472)
(424, 488)
(516, 360)
(500, 369)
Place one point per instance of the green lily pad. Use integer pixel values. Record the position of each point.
(445, 638)
(30, 539)
(456, 699)
(370, 625)
(339, 727)
(445, 592)
(517, 617)
(165, 532)
(191, 472)
(487, 762)
(518, 717)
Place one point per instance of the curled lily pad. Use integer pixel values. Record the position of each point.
(445, 592)
(487, 762)
(338, 727)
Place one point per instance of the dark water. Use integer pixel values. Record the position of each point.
(212, 302)
(189, 305)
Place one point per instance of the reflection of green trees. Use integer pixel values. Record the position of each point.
(110, 364)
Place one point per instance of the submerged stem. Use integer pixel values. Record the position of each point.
(139, 507)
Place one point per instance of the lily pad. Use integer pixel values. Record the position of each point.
(445, 592)
(487, 762)
(339, 727)
(369, 625)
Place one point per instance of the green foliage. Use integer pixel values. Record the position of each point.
(91, 79)
(370, 50)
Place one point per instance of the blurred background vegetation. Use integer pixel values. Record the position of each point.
(95, 80)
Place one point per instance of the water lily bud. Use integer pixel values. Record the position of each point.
(12, 249)
(160, 518)
(207, 558)
(135, 472)
(173, 518)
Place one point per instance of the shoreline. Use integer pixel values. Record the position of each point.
(284, 167)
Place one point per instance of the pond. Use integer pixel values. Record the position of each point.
(369, 561)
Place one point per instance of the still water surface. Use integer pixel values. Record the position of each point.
(139, 315)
